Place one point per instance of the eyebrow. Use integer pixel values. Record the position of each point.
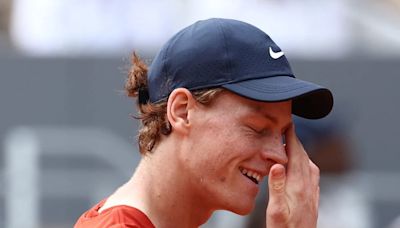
(258, 110)
(273, 119)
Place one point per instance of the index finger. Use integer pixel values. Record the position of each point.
(298, 161)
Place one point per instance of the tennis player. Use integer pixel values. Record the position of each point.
(216, 109)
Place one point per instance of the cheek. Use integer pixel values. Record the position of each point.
(220, 144)
(228, 142)
(217, 147)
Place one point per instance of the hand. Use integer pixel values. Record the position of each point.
(294, 190)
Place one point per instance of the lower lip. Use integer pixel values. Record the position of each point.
(253, 187)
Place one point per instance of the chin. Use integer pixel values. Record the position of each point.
(242, 208)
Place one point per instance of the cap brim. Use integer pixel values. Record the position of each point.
(310, 100)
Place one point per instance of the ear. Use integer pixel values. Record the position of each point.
(180, 102)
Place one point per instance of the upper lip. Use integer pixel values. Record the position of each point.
(262, 173)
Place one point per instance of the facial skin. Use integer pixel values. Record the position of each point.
(197, 169)
(231, 134)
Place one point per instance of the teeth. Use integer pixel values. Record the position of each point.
(252, 174)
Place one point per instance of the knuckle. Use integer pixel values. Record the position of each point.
(314, 169)
(278, 186)
(301, 193)
(301, 196)
(278, 214)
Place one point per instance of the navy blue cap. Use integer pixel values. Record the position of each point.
(238, 57)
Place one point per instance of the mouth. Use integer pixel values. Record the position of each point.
(252, 175)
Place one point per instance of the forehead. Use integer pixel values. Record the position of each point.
(232, 103)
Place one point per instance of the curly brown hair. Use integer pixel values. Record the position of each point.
(153, 116)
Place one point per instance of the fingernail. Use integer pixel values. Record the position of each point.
(277, 173)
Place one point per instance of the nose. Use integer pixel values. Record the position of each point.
(274, 150)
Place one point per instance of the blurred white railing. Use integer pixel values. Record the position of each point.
(23, 147)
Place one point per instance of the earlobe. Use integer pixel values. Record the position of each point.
(179, 104)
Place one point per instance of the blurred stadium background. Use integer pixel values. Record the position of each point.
(68, 138)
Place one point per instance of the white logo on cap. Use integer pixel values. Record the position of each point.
(275, 55)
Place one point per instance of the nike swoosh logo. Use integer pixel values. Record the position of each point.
(275, 55)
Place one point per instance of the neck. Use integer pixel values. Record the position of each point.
(159, 189)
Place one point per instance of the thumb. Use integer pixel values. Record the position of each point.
(277, 210)
(277, 181)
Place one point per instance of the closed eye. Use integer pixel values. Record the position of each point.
(261, 131)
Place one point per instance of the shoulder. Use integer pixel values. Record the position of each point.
(115, 217)
(132, 217)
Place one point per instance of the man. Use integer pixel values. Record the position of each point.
(216, 110)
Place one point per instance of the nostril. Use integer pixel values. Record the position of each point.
(270, 161)
(275, 155)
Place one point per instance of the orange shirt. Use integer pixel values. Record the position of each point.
(121, 216)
